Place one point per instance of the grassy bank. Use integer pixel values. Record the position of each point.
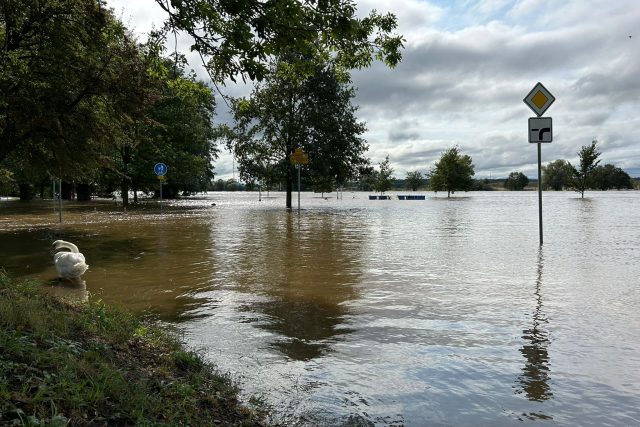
(87, 364)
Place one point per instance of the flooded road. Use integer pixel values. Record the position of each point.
(359, 312)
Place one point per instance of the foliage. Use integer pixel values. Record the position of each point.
(557, 175)
(588, 156)
(81, 100)
(516, 181)
(239, 37)
(8, 185)
(323, 185)
(384, 177)
(453, 172)
(414, 180)
(610, 177)
(59, 61)
(183, 137)
(483, 185)
(90, 364)
(286, 112)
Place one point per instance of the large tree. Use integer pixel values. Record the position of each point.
(516, 181)
(238, 38)
(414, 180)
(59, 61)
(453, 172)
(557, 175)
(588, 157)
(287, 112)
(608, 176)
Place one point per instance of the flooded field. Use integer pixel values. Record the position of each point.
(360, 312)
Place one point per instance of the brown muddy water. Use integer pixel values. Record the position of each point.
(357, 312)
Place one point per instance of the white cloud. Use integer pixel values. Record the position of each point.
(468, 65)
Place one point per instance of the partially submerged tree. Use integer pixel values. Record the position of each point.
(516, 181)
(453, 172)
(588, 156)
(608, 176)
(59, 61)
(414, 180)
(287, 112)
(384, 177)
(557, 175)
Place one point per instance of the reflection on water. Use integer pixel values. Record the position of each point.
(363, 312)
(304, 269)
(535, 381)
(72, 289)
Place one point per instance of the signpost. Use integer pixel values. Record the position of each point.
(161, 170)
(298, 158)
(540, 131)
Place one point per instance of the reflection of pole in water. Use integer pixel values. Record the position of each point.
(534, 379)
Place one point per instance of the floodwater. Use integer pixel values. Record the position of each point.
(439, 312)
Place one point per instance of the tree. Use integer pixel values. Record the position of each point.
(557, 175)
(608, 176)
(414, 180)
(588, 156)
(516, 181)
(59, 61)
(384, 178)
(240, 37)
(183, 137)
(8, 185)
(453, 172)
(286, 112)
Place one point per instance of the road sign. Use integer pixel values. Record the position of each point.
(299, 157)
(539, 99)
(540, 129)
(160, 169)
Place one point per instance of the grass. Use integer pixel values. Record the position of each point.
(88, 364)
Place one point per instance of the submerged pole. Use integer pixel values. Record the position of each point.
(298, 167)
(60, 200)
(540, 191)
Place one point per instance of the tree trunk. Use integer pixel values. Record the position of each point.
(289, 184)
(124, 184)
(26, 192)
(83, 192)
(66, 190)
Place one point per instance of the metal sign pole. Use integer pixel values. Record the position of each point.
(161, 196)
(60, 200)
(298, 167)
(540, 190)
(540, 130)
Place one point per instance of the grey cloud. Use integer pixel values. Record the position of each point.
(403, 135)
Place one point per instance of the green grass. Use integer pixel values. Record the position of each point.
(88, 364)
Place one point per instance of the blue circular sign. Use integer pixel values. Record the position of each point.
(160, 169)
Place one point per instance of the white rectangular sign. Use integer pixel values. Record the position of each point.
(540, 129)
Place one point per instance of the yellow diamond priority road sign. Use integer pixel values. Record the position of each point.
(299, 157)
(539, 99)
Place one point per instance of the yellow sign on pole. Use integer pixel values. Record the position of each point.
(539, 99)
(299, 157)
(161, 177)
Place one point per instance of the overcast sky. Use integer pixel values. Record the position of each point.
(467, 65)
